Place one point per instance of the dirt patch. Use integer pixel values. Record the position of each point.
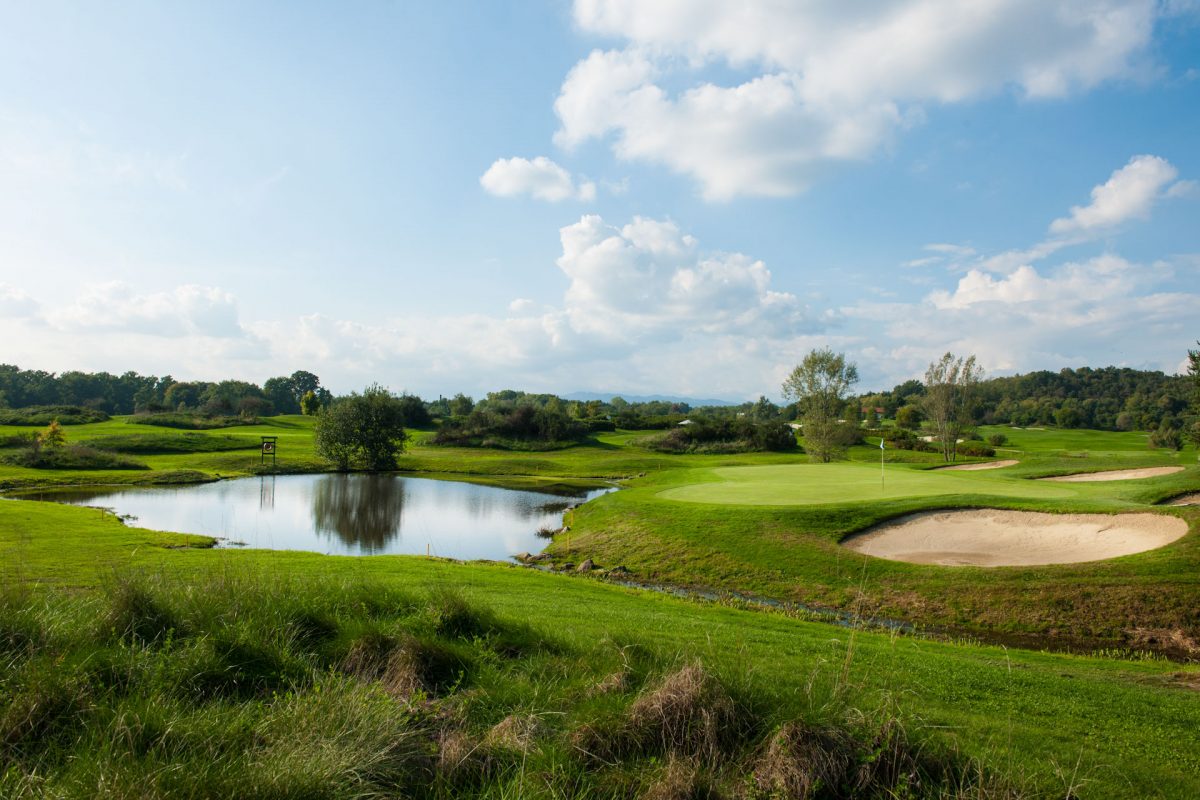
(1192, 499)
(996, 538)
(986, 465)
(1115, 475)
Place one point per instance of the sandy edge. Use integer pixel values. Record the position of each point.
(1191, 499)
(1008, 462)
(1115, 475)
(996, 537)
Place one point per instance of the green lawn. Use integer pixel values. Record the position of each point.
(812, 484)
(1126, 727)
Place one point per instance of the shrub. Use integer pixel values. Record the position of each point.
(1167, 438)
(975, 450)
(72, 456)
(514, 427)
(997, 440)
(724, 436)
(44, 415)
(190, 421)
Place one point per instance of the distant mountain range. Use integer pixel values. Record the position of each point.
(694, 402)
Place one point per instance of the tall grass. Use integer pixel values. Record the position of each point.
(239, 684)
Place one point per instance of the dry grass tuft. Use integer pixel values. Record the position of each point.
(801, 761)
(405, 667)
(682, 779)
(687, 713)
(516, 732)
(463, 759)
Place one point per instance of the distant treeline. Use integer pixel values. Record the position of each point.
(1109, 398)
(131, 393)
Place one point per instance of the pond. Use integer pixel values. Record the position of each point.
(343, 514)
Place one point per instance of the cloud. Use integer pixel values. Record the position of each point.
(540, 178)
(184, 311)
(16, 303)
(827, 83)
(1130, 193)
(650, 277)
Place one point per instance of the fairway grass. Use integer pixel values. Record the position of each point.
(815, 484)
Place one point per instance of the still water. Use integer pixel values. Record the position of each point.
(344, 514)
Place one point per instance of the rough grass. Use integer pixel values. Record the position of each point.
(240, 686)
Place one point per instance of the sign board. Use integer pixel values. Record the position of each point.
(268, 449)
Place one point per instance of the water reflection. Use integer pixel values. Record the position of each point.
(363, 511)
(344, 514)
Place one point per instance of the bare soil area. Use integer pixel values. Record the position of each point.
(997, 538)
(1115, 475)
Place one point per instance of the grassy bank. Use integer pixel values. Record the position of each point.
(202, 663)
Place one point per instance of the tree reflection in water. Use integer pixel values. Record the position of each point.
(363, 511)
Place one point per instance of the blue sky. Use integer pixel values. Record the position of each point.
(672, 197)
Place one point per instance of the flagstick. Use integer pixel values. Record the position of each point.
(882, 490)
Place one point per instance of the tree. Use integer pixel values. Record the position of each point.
(362, 430)
(310, 405)
(1193, 371)
(820, 384)
(53, 437)
(950, 384)
(909, 417)
(461, 405)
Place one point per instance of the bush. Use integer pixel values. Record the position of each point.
(997, 440)
(190, 421)
(975, 450)
(724, 436)
(902, 439)
(364, 430)
(72, 456)
(514, 427)
(1167, 438)
(161, 443)
(44, 415)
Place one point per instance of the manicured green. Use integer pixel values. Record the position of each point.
(812, 484)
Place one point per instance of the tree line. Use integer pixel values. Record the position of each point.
(131, 393)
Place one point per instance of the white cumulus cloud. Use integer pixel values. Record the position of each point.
(184, 311)
(827, 82)
(1129, 193)
(540, 178)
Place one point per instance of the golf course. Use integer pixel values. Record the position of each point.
(727, 582)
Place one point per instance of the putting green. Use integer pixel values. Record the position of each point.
(813, 484)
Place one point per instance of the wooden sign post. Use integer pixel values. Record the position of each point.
(268, 449)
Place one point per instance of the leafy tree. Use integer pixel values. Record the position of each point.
(362, 430)
(53, 437)
(909, 417)
(310, 405)
(1193, 372)
(416, 415)
(949, 386)
(820, 384)
(461, 405)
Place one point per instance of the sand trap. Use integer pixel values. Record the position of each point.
(995, 538)
(1115, 475)
(986, 465)
(1192, 499)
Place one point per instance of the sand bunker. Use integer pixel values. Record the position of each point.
(1115, 475)
(986, 465)
(995, 538)
(1186, 500)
